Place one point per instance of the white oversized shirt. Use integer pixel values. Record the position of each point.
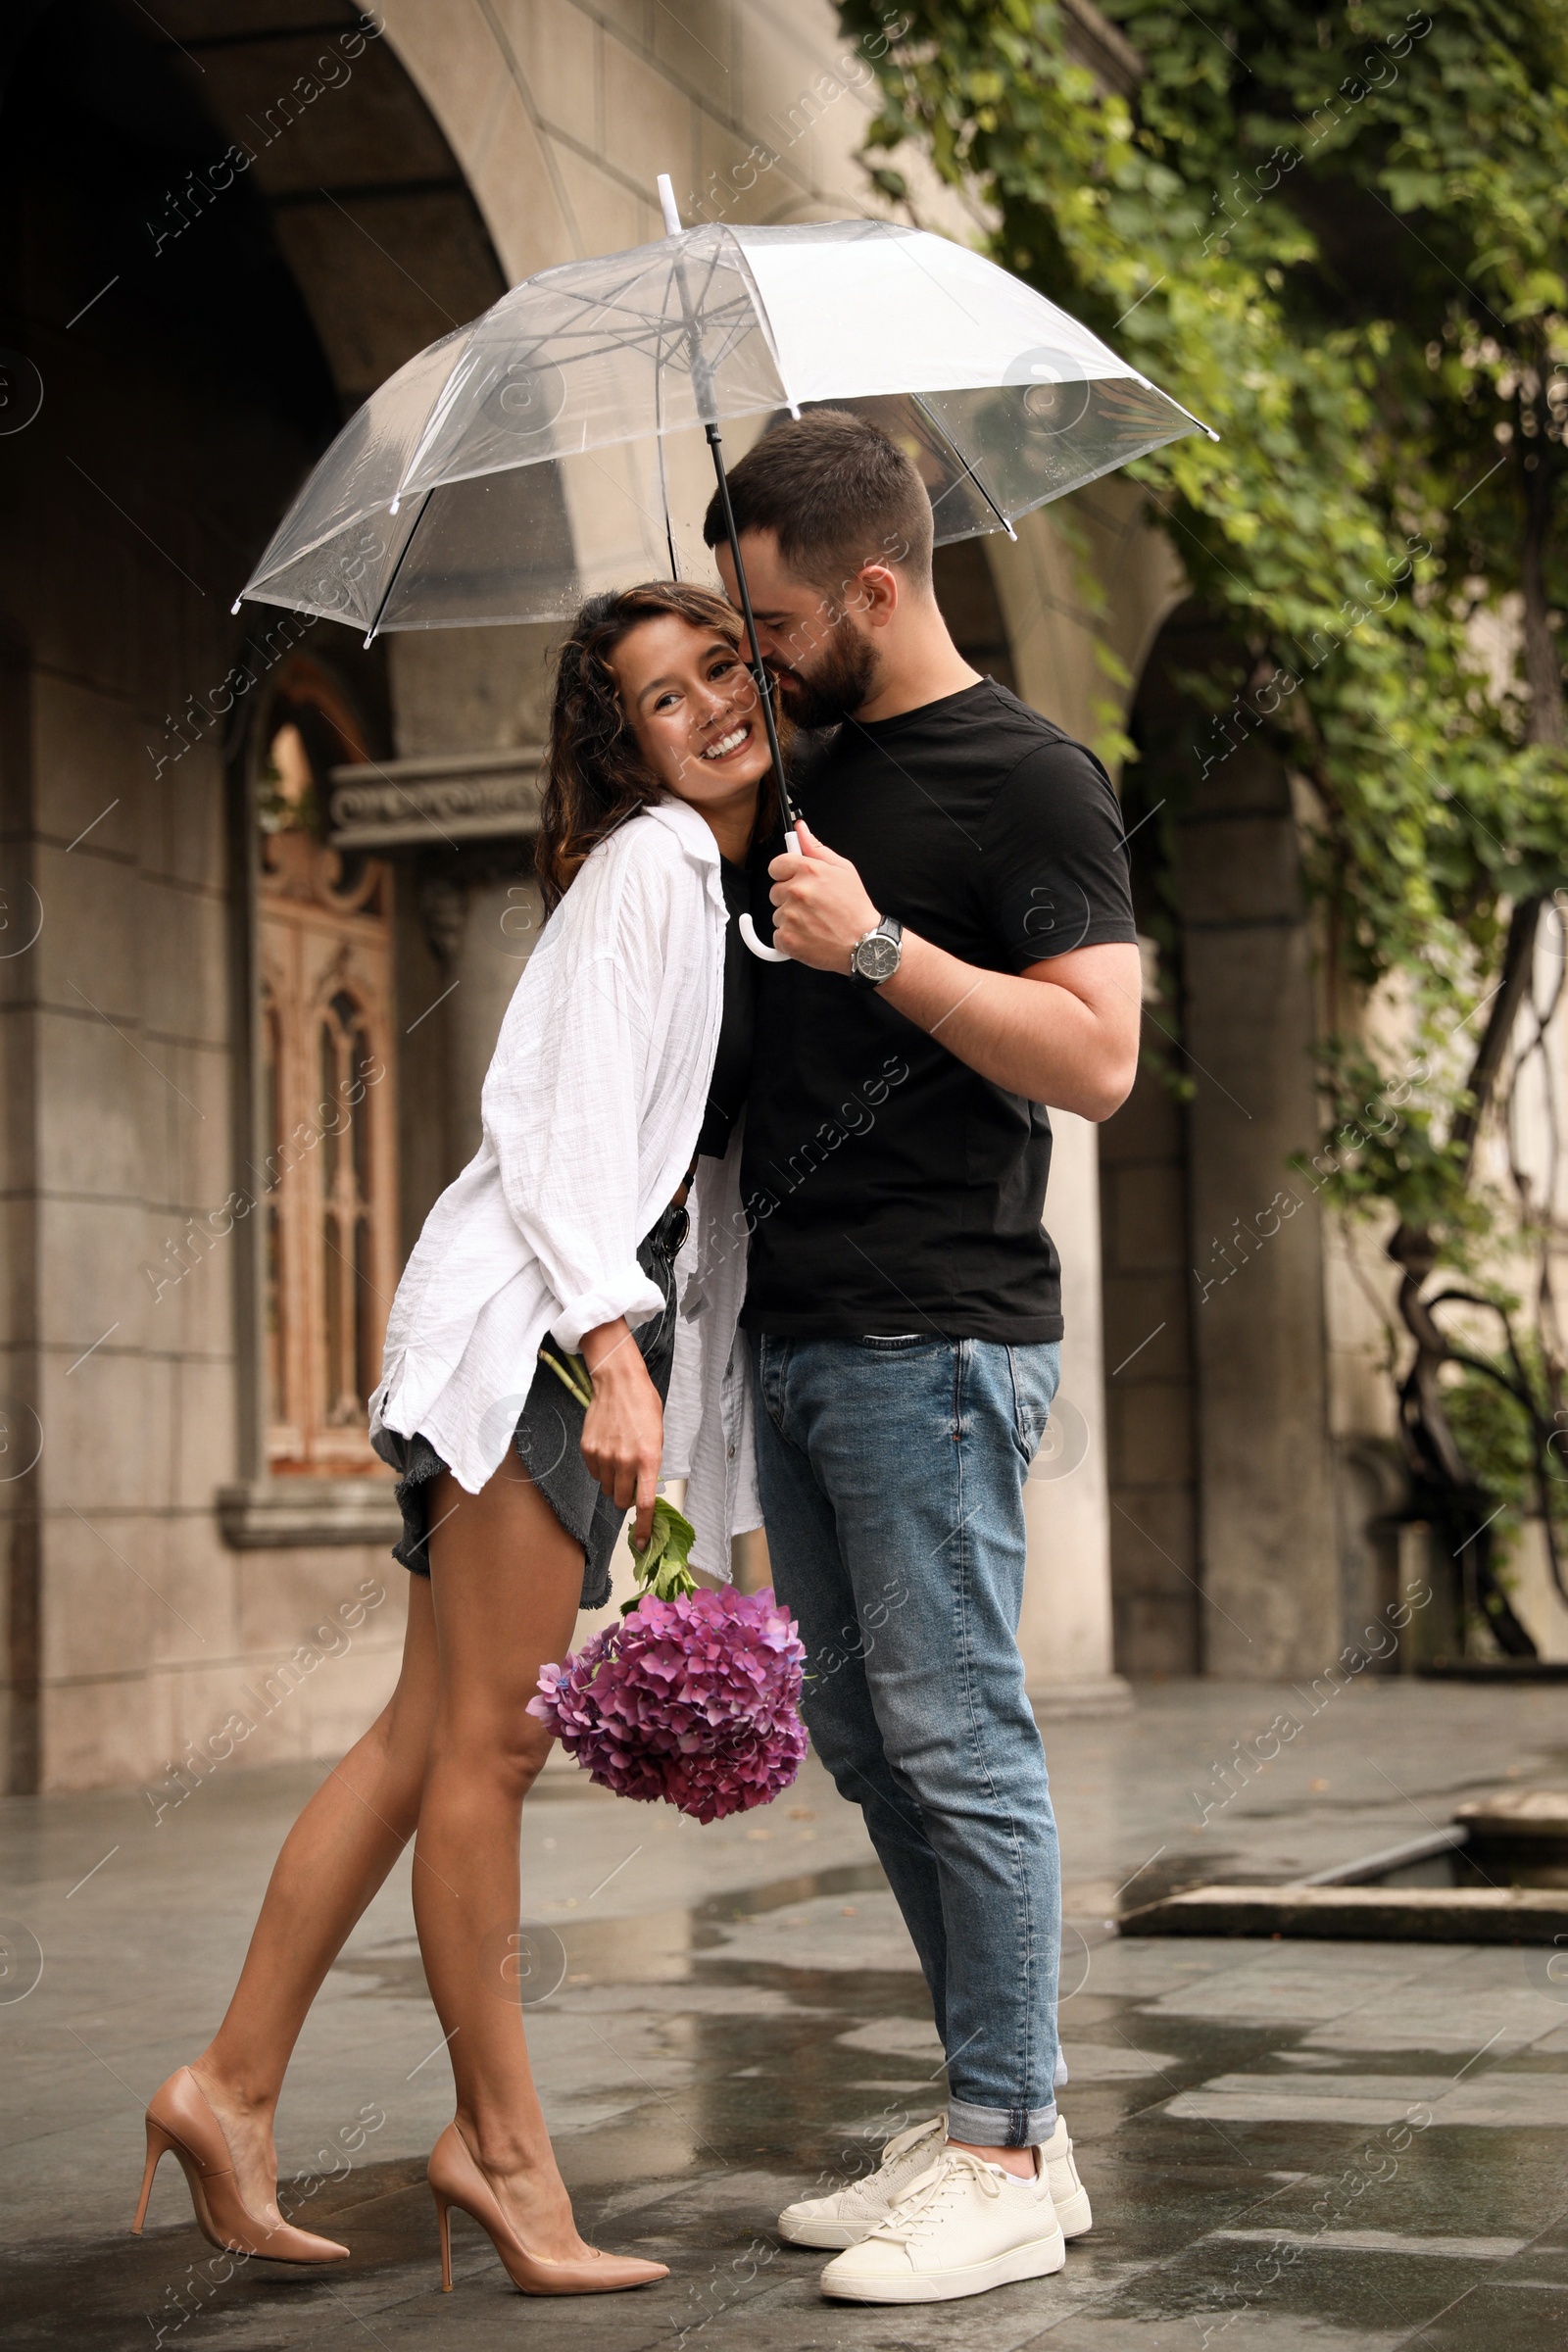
(590, 1113)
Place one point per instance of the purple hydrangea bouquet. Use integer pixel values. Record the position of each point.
(694, 1696)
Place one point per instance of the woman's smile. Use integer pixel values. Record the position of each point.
(732, 741)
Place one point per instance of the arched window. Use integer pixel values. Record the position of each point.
(328, 1132)
(352, 1328)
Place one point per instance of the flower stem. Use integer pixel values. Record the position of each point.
(581, 1388)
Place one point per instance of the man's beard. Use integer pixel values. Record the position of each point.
(841, 678)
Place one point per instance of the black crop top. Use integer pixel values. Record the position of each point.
(732, 1067)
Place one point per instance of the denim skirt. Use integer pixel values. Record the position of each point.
(548, 1439)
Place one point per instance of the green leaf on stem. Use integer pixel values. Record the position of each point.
(661, 1568)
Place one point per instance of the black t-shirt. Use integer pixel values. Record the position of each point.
(888, 1188)
(732, 1065)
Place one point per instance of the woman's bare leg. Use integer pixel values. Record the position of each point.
(506, 1582)
(333, 1860)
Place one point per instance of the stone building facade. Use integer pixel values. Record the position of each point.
(265, 893)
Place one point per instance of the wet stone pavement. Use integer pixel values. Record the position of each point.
(1288, 2144)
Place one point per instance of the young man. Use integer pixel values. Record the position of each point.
(963, 953)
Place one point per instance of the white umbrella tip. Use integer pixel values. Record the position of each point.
(395, 502)
(234, 606)
(667, 205)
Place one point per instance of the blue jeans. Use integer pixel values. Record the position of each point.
(892, 1477)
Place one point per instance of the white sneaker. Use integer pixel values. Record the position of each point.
(1067, 2192)
(962, 2228)
(851, 2214)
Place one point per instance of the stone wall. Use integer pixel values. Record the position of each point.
(162, 452)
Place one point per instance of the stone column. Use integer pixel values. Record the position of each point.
(1065, 1632)
(1047, 595)
(1271, 1576)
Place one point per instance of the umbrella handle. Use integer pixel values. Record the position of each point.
(748, 932)
(748, 929)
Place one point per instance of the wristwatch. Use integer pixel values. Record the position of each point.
(876, 957)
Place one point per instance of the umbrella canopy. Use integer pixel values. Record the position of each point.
(562, 442)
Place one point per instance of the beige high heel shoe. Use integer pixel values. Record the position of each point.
(457, 2180)
(181, 2124)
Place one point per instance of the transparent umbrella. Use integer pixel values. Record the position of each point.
(568, 440)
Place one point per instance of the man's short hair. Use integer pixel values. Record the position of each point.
(837, 492)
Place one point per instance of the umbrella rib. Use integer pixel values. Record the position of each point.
(658, 444)
(440, 409)
(732, 321)
(738, 303)
(607, 300)
(403, 551)
(938, 426)
(591, 311)
(1115, 465)
(713, 273)
(652, 332)
(668, 334)
(732, 337)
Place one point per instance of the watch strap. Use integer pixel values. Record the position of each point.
(889, 928)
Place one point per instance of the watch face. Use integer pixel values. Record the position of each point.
(876, 958)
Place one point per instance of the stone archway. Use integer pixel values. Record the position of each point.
(330, 139)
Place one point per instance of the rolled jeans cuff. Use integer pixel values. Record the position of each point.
(1001, 2127)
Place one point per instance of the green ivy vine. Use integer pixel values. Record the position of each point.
(1340, 236)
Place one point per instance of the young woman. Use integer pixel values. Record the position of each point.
(620, 1068)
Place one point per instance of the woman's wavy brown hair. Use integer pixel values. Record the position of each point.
(595, 772)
